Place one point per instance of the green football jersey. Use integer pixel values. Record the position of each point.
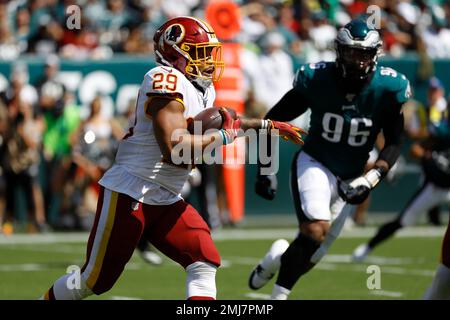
(344, 126)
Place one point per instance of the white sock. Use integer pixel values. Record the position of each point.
(279, 293)
(201, 280)
(62, 291)
(440, 287)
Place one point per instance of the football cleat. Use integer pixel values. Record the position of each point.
(268, 266)
(259, 277)
(361, 252)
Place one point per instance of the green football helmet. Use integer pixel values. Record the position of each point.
(357, 49)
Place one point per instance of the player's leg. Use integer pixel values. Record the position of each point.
(181, 233)
(117, 228)
(296, 255)
(310, 246)
(426, 197)
(312, 189)
(440, 287)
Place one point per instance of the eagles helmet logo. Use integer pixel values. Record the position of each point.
(174, 34)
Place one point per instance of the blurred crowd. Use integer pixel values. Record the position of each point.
(50, 156)
(55, 155)
(307, 27)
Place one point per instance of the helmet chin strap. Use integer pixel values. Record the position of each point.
(203, 83)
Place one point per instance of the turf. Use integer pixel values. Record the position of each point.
(407, 266)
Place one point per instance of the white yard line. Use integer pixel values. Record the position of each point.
(124, 298)
(255, 295)
(58, 249)
(58, 237)
(346, 258)
(391, 294)
(228, 234)
(325, 265)
(385, 293)
(229, 261)
(24, 267)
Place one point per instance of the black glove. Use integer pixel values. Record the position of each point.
(266, 186)
(355, 192)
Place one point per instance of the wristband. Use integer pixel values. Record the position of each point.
(224, 134)
(224, 138)
(375, 175)
(265, 124)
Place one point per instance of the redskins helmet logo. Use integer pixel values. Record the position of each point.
(174, 34)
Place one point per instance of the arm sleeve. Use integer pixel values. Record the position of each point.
(393, 134)
(290, 106)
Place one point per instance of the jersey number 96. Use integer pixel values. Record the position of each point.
(333, 125)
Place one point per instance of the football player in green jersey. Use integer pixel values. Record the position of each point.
(351, 100)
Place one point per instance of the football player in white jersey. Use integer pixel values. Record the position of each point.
(140, 194)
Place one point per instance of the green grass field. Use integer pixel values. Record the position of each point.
(30, 264)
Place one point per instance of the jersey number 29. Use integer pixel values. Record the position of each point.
(333, 125)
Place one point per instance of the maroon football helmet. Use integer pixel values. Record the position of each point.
(191, 46)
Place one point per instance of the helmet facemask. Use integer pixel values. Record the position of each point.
(356, 63)
(204, 62)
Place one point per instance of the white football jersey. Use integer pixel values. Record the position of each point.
(139, 158)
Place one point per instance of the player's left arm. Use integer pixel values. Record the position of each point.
(393, 129)
(358, 190)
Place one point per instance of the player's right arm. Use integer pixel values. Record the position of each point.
(170, 128)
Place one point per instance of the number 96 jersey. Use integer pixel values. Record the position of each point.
(344, 126)
(139, 165)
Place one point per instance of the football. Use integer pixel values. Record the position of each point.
(209, 118)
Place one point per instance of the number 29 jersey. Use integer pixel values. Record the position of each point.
(344, 126)
(139, 168)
